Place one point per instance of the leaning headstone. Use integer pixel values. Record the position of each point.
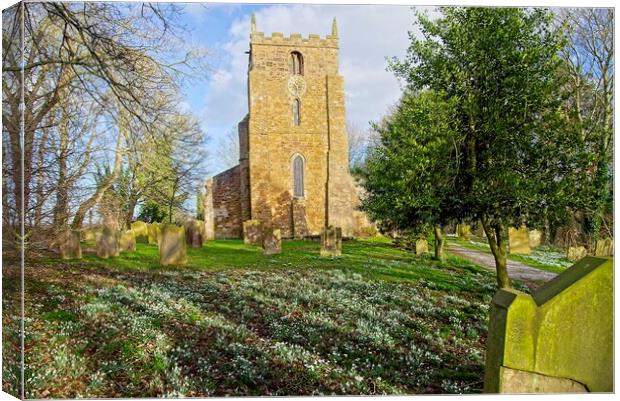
(604, 248)
(331, 241)
(272, 241)
(194, 233)
(69, 244)
(559, 339)
(153, 233)
(252, 232)
(575, 253)
(519, 241)
(463, 231)
(172, 247)
(127, 242)
(421, 246)
(141, 230)
(535, 238)
(108, 243)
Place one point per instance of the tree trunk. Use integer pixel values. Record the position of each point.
(78, 219)
(496, 235)
(131, 207)
(439, 242)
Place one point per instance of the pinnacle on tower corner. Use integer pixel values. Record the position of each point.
(334, 28)
(253, 23)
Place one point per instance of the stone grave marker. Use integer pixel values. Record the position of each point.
(153, 233)
(535, 238)
(69, 244)
(252, 232)
(574, 253)
(194, 230)
(172, 247)
(463, 231)
(519, 241)
(604, 248)
(141, 231)
(127, 242)
(331, 241)
(108, 243)
(557, 340)
(272, 241)
(421, 246)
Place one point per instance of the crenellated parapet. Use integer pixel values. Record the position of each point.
(295, 39)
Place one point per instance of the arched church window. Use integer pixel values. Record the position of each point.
(296, 112)
(296, 64)
(298, 177)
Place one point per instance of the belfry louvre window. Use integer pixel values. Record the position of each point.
(296, 64)
(296, 112)
(298, 177)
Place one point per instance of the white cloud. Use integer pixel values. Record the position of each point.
(368, 34)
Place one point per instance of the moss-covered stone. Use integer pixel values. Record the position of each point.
(563, 330)
(519, 241)
(153, 233)
(421, 247)
(604, 248)
(141, 231)
(272, 241)
(127, 242)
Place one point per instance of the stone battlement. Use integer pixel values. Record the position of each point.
(295, 39)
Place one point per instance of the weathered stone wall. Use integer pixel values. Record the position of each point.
(559, 339)
(226, 200)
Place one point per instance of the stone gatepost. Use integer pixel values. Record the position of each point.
(69, 244)
(141, 231)
(519, 241)
(331, 241)
(194, 233)
(574, 253)
(604, 248)
(172, 247)
(108, 243)
(272, 241)
(557, 340)
(127, 242)
(421, 247)
(252, 232)
(153, 233)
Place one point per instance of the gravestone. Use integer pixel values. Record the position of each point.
(519, 241)
(421, 246)
(108, 243)
(172, 247)
(535, 238)
(559, 339)
(252, 232)
(69, 244)
(194, 233)
(153, 233)
(463, 231)
(300, 223)
(331, 241)
(90, 234)
(127, 242)
(574, 253)
(604, 248)
(141, 231)
(272, 241)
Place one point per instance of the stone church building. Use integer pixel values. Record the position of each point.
(293, 166)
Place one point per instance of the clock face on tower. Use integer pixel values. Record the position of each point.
(296, 85)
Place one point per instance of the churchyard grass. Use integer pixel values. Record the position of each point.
(543, 257)
(377, 320)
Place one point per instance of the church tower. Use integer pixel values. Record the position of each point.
(293, 170)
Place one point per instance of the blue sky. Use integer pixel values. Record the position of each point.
(368, 34)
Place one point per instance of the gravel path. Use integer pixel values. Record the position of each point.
(516, 270)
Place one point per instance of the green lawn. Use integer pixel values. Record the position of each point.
(234, 322)
(544, 257)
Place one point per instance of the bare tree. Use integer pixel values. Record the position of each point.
(228, 149)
